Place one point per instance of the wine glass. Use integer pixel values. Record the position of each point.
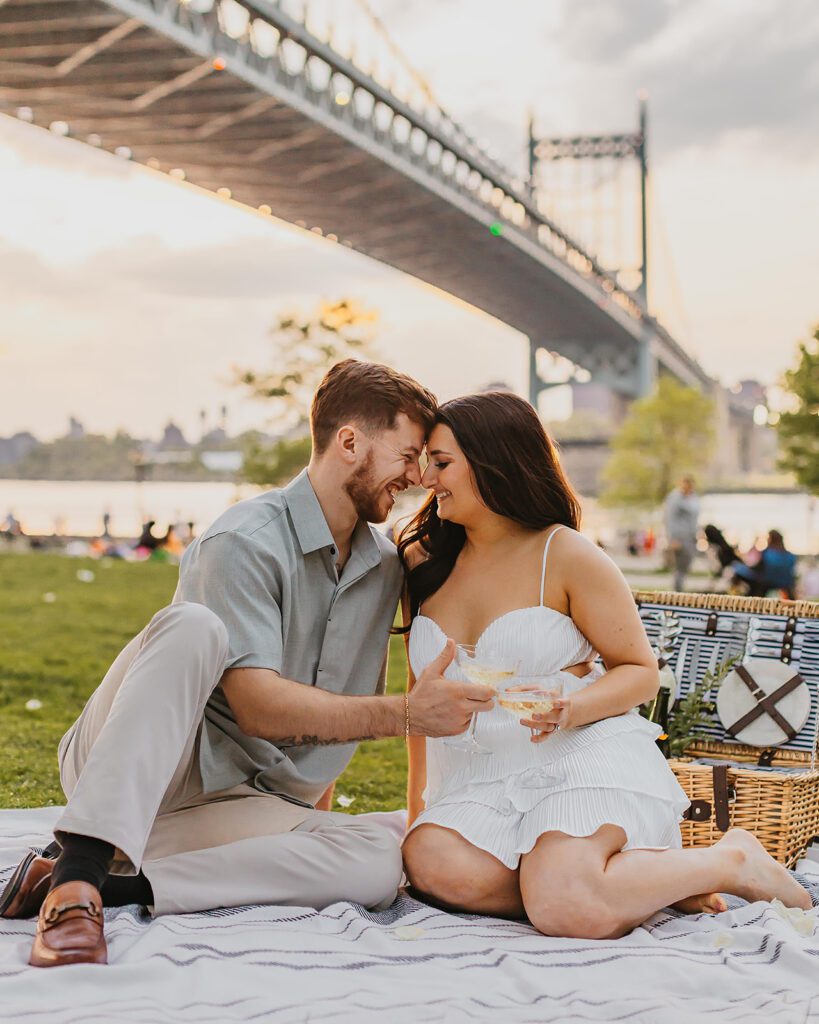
(484, 666)
(530, 695)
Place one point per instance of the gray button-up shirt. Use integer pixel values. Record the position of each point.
(266, 567)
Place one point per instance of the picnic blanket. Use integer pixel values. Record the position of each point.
(411, 963)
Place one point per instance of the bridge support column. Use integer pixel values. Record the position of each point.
(646, 368)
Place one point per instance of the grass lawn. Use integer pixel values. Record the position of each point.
(57, 649)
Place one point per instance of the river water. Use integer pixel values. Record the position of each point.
(76, 508)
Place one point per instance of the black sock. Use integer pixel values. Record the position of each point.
(122, 890)
(82, 859)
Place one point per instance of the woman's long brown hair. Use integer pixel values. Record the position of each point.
(517, 473)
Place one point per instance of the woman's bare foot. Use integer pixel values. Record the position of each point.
(758, 876)
(707, 903)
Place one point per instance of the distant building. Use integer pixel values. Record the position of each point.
(76, 431)
(216, 436)
(16, 447)
(173, 437)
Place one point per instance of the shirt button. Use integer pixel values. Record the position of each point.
(332, 550)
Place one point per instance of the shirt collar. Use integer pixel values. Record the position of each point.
(311, 527)
(306, 515)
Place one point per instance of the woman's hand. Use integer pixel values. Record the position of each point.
(544, 723)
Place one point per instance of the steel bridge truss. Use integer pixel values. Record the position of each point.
(238, 97)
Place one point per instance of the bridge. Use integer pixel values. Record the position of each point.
(242, 98)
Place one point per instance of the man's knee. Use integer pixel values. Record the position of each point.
(194, 625)
(377, 863)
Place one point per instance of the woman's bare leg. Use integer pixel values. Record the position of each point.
(588, 888)
(456, 875)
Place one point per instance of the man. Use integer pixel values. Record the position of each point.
(682, 510)
(195, 771)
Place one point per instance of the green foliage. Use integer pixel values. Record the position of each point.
(274, 465)
(93, 457)
(665, 435)
(799, 429)
(304, 348)
(58, 653)
(693, 711)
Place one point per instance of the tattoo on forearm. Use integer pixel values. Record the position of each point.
(318, 741)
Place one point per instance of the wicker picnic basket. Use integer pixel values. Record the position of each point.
(781, 808)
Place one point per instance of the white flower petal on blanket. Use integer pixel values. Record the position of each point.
(344, 801)
(85, 576)
(802, 921)
(33, 704)
(407, 932)
(49, 597)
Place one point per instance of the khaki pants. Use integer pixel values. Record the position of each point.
(129, 769)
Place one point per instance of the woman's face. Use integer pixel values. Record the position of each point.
(450, 477)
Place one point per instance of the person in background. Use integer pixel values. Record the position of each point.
(682, 509)
(147, 540)
(724, 555)
(775, 570)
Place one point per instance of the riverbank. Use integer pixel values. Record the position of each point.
(76, 509)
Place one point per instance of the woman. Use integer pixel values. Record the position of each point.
(775, 570)
(578, 829)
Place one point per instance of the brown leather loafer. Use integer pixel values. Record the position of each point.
(70, 928)
(27, 887)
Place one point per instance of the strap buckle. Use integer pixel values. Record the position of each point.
(55, 913)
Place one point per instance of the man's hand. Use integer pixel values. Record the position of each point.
(443, 707)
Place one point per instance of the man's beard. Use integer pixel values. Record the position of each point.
(362, 492)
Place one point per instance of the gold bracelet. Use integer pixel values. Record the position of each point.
(406, 716)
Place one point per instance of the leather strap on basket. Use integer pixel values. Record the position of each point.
(765, 704)
(721, 797)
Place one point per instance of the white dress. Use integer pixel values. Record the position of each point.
(609, 772)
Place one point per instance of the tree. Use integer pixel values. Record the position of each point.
(664, 436)
(799, 429)
(304, 349)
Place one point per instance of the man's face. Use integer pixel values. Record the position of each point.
(389, 465)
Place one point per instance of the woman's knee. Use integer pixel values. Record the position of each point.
(435, 869)
(573, 912)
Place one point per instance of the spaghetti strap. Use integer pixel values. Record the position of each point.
(543, 568)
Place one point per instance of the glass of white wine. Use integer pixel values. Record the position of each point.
(530, 695)
(484, 666)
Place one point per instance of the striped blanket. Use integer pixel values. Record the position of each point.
(410, 963)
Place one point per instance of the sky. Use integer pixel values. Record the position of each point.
(128, 297)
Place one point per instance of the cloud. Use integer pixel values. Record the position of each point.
(711, 70)
(598, 30)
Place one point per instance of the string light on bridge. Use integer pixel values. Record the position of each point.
(342, 98)
(59, 127)
(224, 193)
(25, 114)
(178, 173)
(496, 229)
(265, 210)
(219, 64)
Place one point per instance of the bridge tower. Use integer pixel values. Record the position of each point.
(582, 149)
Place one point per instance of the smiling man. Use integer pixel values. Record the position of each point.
(199, 772)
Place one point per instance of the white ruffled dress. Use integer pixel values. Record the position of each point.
(609, 772)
